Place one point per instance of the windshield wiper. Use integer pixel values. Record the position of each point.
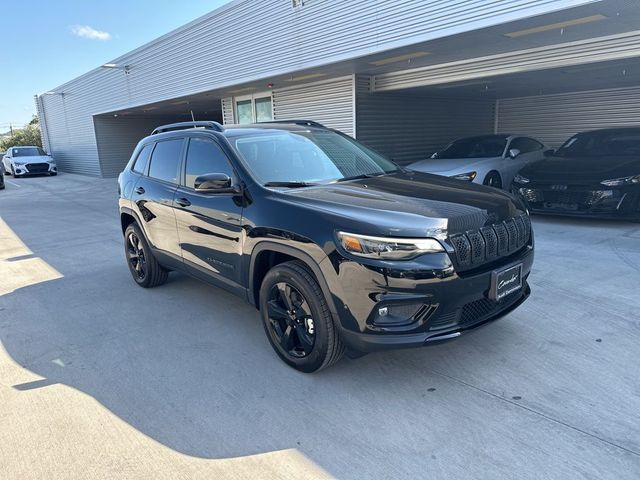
(289, 184)
(366, 175)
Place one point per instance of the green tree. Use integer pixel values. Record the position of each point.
(26, 136)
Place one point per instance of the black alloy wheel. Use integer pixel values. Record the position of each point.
(493, 180)
(144, 268)
(297, 319)
(136, 256)
(291, 323)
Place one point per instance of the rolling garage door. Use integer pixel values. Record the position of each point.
(555, 118)
(329, 102)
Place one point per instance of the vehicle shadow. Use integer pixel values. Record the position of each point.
(190, 366)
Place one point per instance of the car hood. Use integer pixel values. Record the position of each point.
(33, 159)
(444, 165)
(408, 204)
(580, 170)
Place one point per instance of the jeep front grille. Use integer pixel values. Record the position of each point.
(476, 247)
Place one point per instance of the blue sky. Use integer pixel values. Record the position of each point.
(45, 43)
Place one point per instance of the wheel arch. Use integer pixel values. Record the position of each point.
(266, 255)
(127, 217)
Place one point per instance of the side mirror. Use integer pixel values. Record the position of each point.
(214, 183)
(514, 152)
(549, 153)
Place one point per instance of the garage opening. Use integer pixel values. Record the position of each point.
(550, 105)
(118, 132)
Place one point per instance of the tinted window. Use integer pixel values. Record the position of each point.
(476, 147)
(143, 159)
(165, 161)
(205, 156)
(601, 143)
(526, 145)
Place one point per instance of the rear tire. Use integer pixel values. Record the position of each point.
(297, 319)
(53, 174)
(144, 268)
(493, 179)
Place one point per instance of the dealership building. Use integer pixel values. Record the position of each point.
(405, 77)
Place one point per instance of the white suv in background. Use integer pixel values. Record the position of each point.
(20, 161)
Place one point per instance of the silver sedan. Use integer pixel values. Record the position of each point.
(489, 159)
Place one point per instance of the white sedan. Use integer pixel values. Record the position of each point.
(489, 159)
(21, 161)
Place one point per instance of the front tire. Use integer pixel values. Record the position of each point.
(493, 179)
(144, 268)
(297, 319)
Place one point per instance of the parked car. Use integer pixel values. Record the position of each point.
(594, 173)
(491, 160)
(22, 161)
(339, 248)
(1, 176)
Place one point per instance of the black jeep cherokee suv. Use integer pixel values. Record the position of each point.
(338, 247)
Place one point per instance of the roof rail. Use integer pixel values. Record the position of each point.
(307, 123)
(186, 125)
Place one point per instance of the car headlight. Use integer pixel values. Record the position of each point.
(619, 182)
(467, 177)
(386, 248)
(520, 179)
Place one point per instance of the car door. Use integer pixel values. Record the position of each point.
(153, 196)
(209, 224)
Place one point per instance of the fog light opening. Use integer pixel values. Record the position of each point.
(397, 315)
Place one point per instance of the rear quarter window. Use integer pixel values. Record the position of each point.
(142, 160)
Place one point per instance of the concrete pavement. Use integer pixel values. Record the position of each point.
(102, 379)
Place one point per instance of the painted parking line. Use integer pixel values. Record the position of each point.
(14, 184)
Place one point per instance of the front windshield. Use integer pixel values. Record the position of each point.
(601, 143)
(28, 152)
(477, 147)
(308, 157)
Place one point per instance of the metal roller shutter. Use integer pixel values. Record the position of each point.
(329, 102)
(554, 118)
(409, 127)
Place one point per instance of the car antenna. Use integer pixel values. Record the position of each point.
(193, 119)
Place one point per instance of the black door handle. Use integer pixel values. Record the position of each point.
(183, 202)
(139, 190)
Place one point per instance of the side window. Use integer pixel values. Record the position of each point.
(535, 145)
(140, 165)
(165, 160)
(205, 156)
(525, 145)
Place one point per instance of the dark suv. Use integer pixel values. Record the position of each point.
(338, 247)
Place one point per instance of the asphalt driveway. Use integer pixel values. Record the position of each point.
(101, 379)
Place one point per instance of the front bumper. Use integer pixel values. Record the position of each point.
(423, 306)
(581, 200)
(40, 168)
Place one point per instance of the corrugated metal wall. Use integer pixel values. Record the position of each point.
(253, 39)
(117, 137)
(329, 102)
(554, 118)
(612, 47)
(409, 127)
(228, 116)
(44, 133)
